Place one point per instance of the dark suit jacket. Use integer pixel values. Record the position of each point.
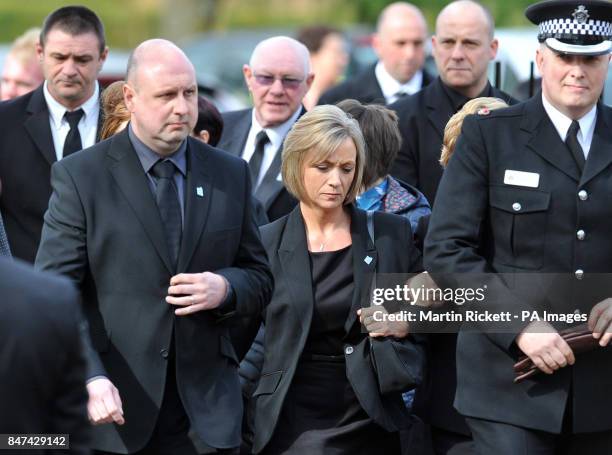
(103, 230)
(363, 87)
(271, 192)
(422, 118)
(26, 156)
(288, 317)
(42, 364)
(478, 227)
(4, 246)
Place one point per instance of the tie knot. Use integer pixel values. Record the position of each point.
(163, 169)
(261, 139)
(73, 117)
(574, 128)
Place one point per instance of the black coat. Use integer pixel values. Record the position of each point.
(422, 118)
(42, 365)
(26, 156)
(103, 230)
(363, 87)
(288, 316)
(271, 192)
(482, 224)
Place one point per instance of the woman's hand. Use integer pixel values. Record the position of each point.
(376, 321)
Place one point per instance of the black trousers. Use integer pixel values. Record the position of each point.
(502, 438)
(171, 433)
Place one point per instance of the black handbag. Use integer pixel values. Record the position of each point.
(398, 366)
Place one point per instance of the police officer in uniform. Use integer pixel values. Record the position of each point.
(528, 190)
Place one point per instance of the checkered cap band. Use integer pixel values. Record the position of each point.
(571, 28)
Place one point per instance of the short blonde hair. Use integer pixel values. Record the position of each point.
(452, 130)
(23, 48)
(114, 109)
(315, 136)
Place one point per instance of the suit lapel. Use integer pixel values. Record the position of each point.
(437, 113)
(544, 140)
(129, 175)
(270, 186)
(600, 154)
(295, 263)
(365, 259)
(37, 125)
(198, 194)
(235, 143)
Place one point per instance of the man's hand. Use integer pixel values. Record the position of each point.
(195, 292)
(545, 347)
(104, 404)
(600, 321)
(385, 328)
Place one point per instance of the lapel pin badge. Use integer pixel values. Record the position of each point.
(368, 260)
(200, 191)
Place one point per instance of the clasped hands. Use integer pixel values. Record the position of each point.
(549, 351)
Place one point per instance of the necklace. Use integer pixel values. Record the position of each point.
(321, 247)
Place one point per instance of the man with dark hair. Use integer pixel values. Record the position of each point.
(58, 118)
(463, 46)
(526, 198)
(157, 229)
(399, 42)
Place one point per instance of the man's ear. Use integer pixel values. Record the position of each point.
(248, 73)
(128, 96)
(39, 51)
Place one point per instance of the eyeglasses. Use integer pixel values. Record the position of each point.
(289, 83)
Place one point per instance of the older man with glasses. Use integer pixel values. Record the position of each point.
(278, 76)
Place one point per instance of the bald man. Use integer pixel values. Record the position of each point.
(278, 76)
(463, 46)
(157, 229)
(399, 43)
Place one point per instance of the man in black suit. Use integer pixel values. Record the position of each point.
(58, 118)
(278, 76)
(399, 42)
(42, 365)
(463, 46)
(158, 230)
(527, 192)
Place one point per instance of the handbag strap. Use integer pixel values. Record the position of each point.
(370, 218)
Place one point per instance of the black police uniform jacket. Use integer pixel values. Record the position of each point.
(481, 224)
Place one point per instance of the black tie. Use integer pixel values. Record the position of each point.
(255, 162)
(571, 140)
(167, 199)
(73, 139)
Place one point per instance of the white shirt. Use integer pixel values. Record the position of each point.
(276, 135)
(88, 125)
(390, 87)
(562, 124)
